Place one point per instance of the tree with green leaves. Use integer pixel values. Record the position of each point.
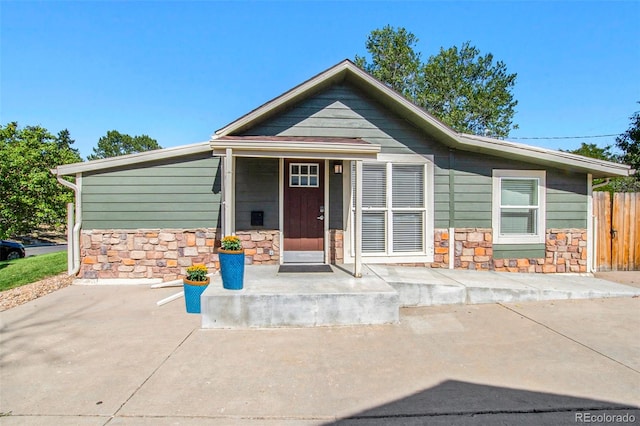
(116, 143)
(629, 144)
(592, 150)
(393, 59)
(31, 196)
(462, 88)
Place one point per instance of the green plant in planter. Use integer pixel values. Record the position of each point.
(195, 284)
(231, 243)
(197, 273)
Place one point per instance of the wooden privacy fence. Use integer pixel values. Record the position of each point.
(617, 231)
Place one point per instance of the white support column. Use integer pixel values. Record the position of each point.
(327, 237)
(228, 192)
(591, 242)
(281, 184)
(357, 241)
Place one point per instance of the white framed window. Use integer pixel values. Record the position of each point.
(518, 214)
(394, 208)
(304, 175)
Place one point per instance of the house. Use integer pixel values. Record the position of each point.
(340, 169)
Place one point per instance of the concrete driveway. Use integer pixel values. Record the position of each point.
(97, 355)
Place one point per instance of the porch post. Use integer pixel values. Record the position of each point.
(228, 192)
(591, 241)
(357, 243)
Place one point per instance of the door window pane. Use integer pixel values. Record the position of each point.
(304, 175)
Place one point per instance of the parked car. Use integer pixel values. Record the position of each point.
(10, 250)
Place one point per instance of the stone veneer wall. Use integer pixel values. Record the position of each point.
(565, 251)
(146, 253)
(261, 247)
(166, 253)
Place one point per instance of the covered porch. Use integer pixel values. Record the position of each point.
(299, 187)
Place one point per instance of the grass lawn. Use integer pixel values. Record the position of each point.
(14, 273)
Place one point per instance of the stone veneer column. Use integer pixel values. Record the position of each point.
(473, 248)
(441, 249)
(336, 246)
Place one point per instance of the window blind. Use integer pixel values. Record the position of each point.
(519, 192)
(408, 232)
(408, 185)
(373, 232)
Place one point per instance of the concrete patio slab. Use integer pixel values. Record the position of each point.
(575, 287)
(596, 328)
(421, 286)
(82, 349)
(109, 355)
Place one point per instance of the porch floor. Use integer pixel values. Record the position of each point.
(273, 299)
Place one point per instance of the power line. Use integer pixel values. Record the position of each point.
(569, 137)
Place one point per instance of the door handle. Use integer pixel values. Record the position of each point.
(321, 217)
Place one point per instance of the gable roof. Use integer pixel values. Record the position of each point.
(347, 71)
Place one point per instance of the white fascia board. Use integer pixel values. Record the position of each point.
(256, 145)
(271, 149)
(545, 156)
(301, 154)
(129, 159)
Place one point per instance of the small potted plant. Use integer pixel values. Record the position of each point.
(194, 284)
(231, 256)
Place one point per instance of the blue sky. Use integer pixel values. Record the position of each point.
(178, 71)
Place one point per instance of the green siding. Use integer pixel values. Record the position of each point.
(184, 193)
(519, 251)
(566, 200)
(343, 111)
(335, 199)
(256, 189)
(462, 180)
(566, 195)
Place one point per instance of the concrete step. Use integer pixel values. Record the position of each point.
(272, 299)
(427, 287)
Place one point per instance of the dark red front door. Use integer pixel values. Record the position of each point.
(303, 205)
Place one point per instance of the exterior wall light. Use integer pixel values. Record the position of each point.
(337, 167)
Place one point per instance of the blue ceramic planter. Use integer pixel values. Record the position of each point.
(192, 293)
(231, 269)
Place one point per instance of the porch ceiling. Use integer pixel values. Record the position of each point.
(296, 147)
